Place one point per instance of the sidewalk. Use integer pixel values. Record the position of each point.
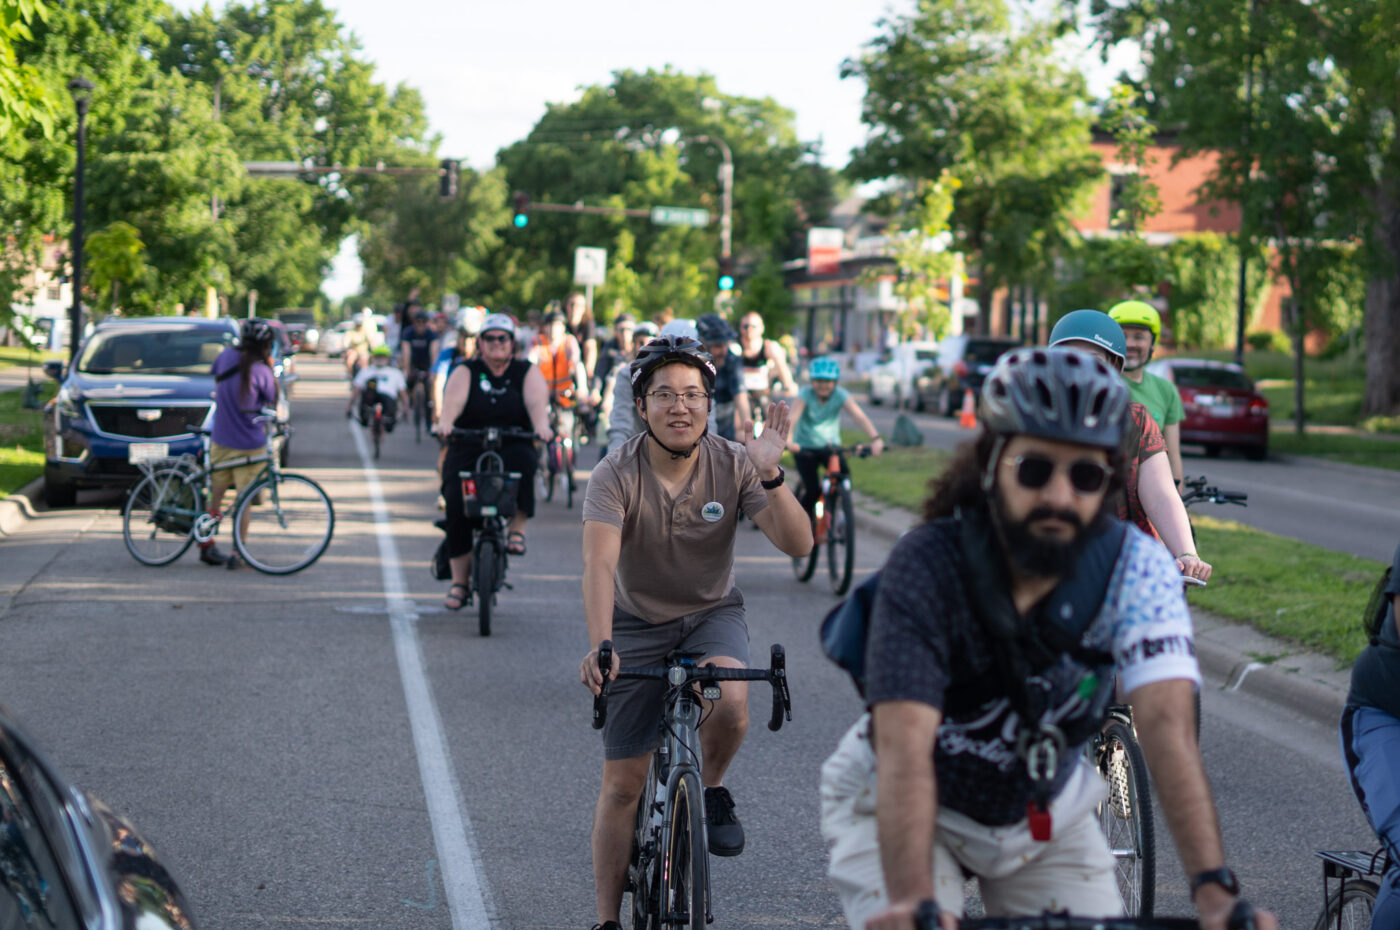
(1244, 659)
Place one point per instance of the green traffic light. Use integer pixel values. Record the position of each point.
(521, 220)
(726, 282)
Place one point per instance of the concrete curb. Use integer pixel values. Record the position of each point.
(18, 509)
(1307, 684)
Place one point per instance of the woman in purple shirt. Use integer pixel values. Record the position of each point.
(243, 385)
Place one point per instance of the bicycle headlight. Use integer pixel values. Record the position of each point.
(676, 675)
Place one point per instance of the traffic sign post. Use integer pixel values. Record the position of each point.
(680, 216)
(590, 266)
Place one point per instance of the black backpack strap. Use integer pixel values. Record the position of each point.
(224, 376)
(1069, 610)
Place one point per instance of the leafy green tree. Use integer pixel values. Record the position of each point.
(116, 256)
(634, 143)
(1300, 100)
(958, 86)
(23, 97)
(919, 245)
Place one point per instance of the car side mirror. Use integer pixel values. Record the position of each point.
(54, 369)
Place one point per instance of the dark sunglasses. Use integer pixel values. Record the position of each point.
(494, 338)
(1035, 471)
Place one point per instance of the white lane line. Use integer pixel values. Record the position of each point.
(452, 832)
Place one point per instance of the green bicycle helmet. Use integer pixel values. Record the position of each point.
(1058, 394)
(383, 351)
(1092, 326)
(1138, 313)
(824, 369)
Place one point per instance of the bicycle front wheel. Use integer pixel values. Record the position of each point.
(485, 567)
(804, 566)
(643, 872)
(289, 522)
(841, 543)
(1126, 819)
(684, 869)
(159, 517)
(1350, 908)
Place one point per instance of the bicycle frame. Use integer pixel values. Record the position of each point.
(205, 524)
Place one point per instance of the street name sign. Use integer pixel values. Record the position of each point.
(680, 216)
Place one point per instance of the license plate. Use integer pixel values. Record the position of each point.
(147, 451)
(1223, 411)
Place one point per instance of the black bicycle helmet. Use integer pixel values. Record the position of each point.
(1056, 394)
(256, 332)
(664, 350)
(713, 329)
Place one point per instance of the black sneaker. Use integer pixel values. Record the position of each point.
(212, 556)
(235, 562)
(725, 832)
(610, 925)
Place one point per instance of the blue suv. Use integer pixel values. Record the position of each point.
(137, 389)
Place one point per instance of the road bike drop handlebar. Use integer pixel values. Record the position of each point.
(682, 675)
(926, 918)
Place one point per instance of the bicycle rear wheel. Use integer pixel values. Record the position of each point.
(290, 521)
(159, 516)
(551, 463)
(484, 567)
(569, 451)
(1126, 819)
(1350, 908)
(684, 869)
(420, 412)
(841, 542)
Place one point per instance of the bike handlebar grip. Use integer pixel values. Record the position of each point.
(778, 669)
(1235, 496)
(600, 700)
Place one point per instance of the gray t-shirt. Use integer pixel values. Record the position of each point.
(677, 554)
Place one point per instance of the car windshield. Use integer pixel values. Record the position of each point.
(926, 355)
(985, 352)
(1200, 376)
(183, 350)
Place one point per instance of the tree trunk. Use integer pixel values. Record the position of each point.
(1299, 333)
(1382, 322)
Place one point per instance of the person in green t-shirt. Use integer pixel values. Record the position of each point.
(1142, 327)
(816, 418)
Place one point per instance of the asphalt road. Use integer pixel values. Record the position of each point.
(275, 741)
(1345, 508)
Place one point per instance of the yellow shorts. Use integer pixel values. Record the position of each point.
(240, 476)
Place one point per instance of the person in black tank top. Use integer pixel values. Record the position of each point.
(492, 389)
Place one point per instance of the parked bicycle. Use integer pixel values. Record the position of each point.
(668, 876)
(489, 495)
(282, 522)
(835, 523)
(1357, 873)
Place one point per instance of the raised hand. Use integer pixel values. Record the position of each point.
(767, 449)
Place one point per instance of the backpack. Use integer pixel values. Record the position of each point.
(1069, 609)
(1374, 615)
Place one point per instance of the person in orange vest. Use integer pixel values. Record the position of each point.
(560, 360)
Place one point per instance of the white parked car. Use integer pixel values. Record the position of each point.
(893, 379)
(333, 340)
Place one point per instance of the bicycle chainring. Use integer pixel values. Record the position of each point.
(205, 526)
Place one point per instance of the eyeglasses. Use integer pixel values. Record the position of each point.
(749, 326)
(1034, 472)
(494, 338)
(694, 400)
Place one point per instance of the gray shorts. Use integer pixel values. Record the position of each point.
(633, 727)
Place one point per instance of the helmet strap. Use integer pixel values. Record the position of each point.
(688, 452)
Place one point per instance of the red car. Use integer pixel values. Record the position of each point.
(1222, 406)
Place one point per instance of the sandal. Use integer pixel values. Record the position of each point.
(515, 544)
(461, 601)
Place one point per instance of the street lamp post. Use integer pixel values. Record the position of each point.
(726, 193)
(79, 87)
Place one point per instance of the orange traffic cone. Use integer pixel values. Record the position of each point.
(967, 419)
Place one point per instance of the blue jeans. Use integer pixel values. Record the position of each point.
(1371, 748)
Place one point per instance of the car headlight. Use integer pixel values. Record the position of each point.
(67, 404)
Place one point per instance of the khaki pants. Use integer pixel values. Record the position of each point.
(1018, 876)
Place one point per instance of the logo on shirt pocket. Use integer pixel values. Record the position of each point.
(712, 512)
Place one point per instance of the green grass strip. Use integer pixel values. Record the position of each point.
(1352, 449)
(21, 440)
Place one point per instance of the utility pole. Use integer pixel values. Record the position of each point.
(1242, 294)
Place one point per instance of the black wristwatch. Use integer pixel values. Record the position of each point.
(1221, 876)
(775, 483)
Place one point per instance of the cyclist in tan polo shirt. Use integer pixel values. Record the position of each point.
(659, 522)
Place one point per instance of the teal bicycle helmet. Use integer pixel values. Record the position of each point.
(1058, 394)
(1092, 326)
(824, 369)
